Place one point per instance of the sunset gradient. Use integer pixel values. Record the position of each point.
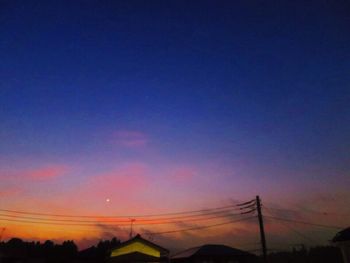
(131, 108)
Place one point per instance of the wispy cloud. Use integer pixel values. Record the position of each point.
(130, 138)
(47, 172)
(129, 177)
(121, 186)
(10, 191)
(183, 174)
(110, 231)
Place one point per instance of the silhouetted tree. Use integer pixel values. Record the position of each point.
(16, 250)
(100, 252)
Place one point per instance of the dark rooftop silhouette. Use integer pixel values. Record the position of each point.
(343, 235)
(212, 250)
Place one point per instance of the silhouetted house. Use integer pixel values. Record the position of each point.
(342, 240)
(138, 249)
(213, 254)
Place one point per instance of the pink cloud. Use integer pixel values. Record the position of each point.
(131, 139)
(183, 174)
(46, 173)
(42, 173)
(131, 177)
(9, 191)
(122, 186)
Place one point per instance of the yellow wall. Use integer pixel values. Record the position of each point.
(136, 247)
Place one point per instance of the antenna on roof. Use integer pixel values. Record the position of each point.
(132, 220)
(2, 232)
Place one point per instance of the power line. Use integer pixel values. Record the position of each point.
(308, 211)
(191, 217)
(305, 223)
(93, 223)
(201, 227)
(56, 228)
(65, 220)
(153, 233)
(45, 223)
(292, 229)
(234, 207)
(298, 233)
(249, 203)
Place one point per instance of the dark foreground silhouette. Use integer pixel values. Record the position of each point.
(17, 250)
(324, 254)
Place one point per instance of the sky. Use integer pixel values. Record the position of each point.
(148, 107)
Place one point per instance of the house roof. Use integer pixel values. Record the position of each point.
(134, 257)
(145, 241)
(343, 235)
(210, 250)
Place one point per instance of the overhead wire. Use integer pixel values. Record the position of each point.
(116, 223)
(76, 220)
(291, 228)
(308, 211)
(233, 206)
(116, 220)
(38, 218)
(201, 227)
(305, 222)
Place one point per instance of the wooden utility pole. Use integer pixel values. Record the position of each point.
(261, 225)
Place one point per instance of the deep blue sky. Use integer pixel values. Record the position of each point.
(245, 89)
(258, 71)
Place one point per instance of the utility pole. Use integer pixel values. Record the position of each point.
(261, 225)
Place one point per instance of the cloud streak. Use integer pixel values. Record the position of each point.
(183, 174)
(10, 191)
(130, 139)
(47, 172)
(124, 187)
